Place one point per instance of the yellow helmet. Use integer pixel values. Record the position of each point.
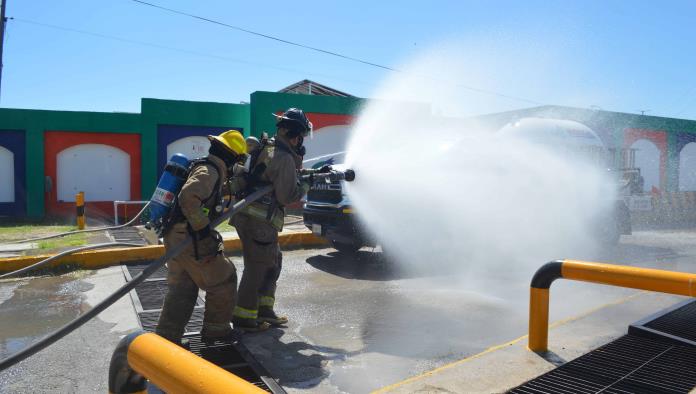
(232, 140)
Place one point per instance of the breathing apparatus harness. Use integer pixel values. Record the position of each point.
(269, 203)
(175, 215)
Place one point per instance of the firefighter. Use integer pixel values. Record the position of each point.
(202, 265)
(258, 225)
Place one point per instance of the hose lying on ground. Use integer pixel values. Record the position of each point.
(91, 230)
(66, 253)
(123, 290)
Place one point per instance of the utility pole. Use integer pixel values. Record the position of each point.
(3, 20)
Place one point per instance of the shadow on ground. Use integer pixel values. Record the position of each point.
(294, 364)
(364, 265)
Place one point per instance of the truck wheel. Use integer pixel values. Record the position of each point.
(345, 248)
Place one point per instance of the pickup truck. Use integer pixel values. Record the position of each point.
(329, 214)
(580, 142)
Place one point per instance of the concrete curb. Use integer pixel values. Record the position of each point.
(94, 259)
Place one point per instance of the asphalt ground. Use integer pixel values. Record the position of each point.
(357, 323)
(360, 323)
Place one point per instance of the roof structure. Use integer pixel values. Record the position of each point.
(306, 86)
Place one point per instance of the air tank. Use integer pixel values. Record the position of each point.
(169, 185)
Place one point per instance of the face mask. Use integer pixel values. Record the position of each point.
(300, 149)
(240, 168)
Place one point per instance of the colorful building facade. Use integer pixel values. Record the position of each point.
(664, 148)
(46, 157)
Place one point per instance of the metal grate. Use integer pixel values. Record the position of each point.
(135, 270)
(152, 293)
(231, 356)
(221, 353)
(149, 320)
(631, 364)
(127, 234)
(680, 322)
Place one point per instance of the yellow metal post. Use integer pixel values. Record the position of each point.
(538, 319)
(80, 204)
(176, 370)
(670, 282)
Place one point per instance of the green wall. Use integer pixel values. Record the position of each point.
(153, 113)
(256, 117)
(186, 113)
(35, 122)
(263, 104)
(614, 122)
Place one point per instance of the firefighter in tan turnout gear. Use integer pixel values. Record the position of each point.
(275, 162)
(202, 264)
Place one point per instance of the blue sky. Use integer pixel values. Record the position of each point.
(616, 55)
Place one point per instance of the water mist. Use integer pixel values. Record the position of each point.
(453, 197)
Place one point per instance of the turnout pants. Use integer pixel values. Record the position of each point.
(217, 277)
(263, 261)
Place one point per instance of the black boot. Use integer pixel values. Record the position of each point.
(249, 325)
(269, 316)
(208, 336)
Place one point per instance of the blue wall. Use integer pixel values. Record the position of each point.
(14, 141)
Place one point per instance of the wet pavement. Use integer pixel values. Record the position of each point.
(357, 323)
(31, 308)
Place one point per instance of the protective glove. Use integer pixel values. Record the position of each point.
(238, 185)
(324, 169)
(305, 186)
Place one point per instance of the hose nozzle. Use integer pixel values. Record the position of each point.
(331, 176)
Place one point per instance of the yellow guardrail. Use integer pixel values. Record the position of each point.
(145, 356)
(679, 283)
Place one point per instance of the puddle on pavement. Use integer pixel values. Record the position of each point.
(34, 307)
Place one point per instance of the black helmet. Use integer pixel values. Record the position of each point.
(295, 121)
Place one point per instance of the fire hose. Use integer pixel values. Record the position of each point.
(332, 175)
(91, 230)
(123, 290)
(63, 254)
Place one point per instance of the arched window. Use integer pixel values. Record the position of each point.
(101, 171)
(7, 176)
(192, 147)
(648, 160)
(687, 168)
(326, 143)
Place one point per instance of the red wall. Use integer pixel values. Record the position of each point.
(322, 120)
(57, 141)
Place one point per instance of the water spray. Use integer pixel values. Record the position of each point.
(448, 195)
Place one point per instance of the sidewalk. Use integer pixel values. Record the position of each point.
(14, 250)
(294, 234)
(293, 225)
(505, 366)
